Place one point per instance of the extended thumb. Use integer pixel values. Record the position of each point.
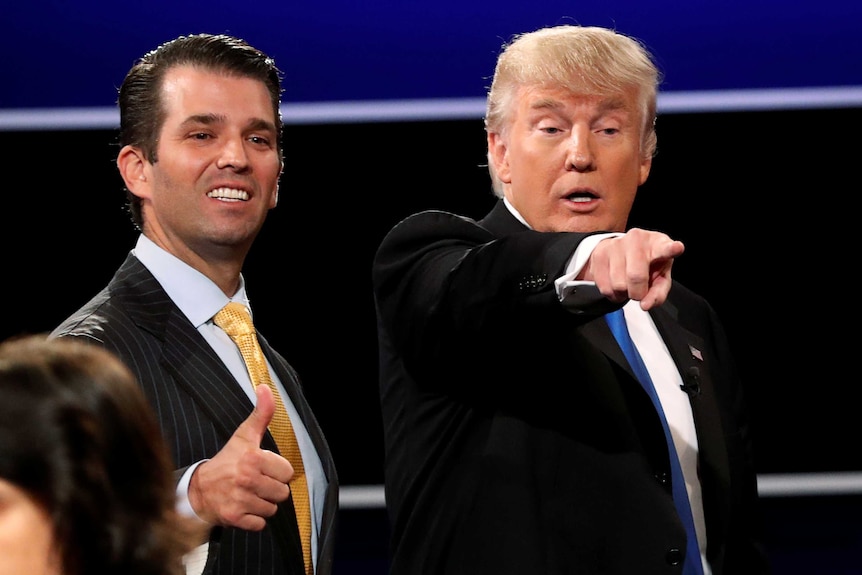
(254, 427)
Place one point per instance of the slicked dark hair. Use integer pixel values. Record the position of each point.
(142, 113)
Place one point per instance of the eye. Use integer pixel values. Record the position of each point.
(200, 136)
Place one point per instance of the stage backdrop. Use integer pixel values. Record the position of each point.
(74, 54)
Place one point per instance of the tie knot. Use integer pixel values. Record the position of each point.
(234, 319)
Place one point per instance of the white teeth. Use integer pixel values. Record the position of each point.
(228, 194)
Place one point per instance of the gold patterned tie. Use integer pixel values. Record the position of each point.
(235, 320)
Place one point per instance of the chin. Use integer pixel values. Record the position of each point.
(581, 224)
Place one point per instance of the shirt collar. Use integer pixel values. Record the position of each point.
(515, 213)
(197, 296)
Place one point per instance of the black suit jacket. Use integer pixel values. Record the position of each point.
(517, 439)
(199, 405)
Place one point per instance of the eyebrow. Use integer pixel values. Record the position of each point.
(261, 124)
(546, 103)
(206, 119)
(605, 104)
(613, 103)
(210, 119)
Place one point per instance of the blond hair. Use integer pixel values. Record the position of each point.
(586, 60)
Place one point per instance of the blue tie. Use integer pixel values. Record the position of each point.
(617, 321)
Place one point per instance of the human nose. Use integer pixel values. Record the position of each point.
(580, 155)
(233, 154)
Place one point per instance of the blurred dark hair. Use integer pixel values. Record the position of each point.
(77, 433)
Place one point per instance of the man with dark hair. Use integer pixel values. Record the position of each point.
(201, 157)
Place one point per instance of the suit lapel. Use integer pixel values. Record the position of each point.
(200, 372)
(185, 353)
(692, 358)
(599, 333)
(290, 381)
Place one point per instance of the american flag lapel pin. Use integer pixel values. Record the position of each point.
(695, 353)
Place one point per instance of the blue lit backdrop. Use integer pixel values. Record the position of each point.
(74, 54)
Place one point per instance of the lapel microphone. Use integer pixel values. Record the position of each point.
(691, 382)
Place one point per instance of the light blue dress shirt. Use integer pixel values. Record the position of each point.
(199, 299)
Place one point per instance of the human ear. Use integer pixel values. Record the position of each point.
(133, 165)
(646, 164)
(498, 155)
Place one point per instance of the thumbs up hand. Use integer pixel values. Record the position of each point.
(243, 484)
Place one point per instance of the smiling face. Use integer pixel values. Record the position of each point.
(570, 162)
(217, 169)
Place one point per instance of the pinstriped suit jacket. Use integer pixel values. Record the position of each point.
(199, 405)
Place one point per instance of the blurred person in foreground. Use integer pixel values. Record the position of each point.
(86, 480)
(201, 155)
(517, 437)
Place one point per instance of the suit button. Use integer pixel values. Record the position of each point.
(674, 556)
(662, 477)
(533, 282)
